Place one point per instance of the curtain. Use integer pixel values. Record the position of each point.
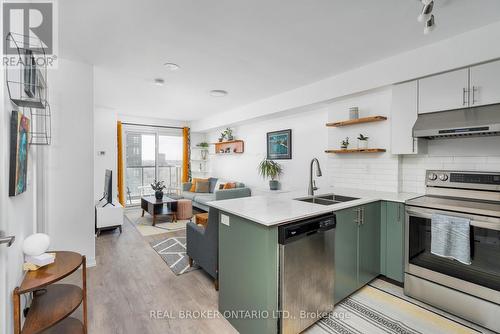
(121, 190)
(186, 156)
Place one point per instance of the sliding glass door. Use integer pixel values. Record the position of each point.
(152, 154)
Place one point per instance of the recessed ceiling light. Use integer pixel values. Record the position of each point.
(171, 66)
(218, 93)
(159, 81)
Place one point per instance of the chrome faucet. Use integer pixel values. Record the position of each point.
(312, 183)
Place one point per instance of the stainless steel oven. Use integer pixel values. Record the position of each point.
(469, 291)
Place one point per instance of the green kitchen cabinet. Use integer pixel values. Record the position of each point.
(392, 240)
(248, 274)
(346, 253)
(369, 243)
(357, 248)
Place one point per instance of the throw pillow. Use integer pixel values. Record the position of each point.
(230, 185)
(219, 184)
(193, 186)
(213, 182)
(202, 187)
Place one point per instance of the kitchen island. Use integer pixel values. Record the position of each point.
(249, 249)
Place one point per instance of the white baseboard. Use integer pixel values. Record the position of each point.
(91, 262)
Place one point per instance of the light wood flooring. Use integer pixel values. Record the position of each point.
(131, 280)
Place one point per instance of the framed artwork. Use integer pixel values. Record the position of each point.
(279, 145)
(19, 132)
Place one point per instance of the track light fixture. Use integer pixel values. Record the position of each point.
(426, 11)
(429, 25)
(426, 16)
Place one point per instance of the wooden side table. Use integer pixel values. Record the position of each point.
(53, 303)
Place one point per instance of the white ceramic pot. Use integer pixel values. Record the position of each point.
(362, 144)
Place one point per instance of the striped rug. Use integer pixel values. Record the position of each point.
(372, 310)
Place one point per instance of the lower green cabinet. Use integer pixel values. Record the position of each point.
(369, 243)
(346, 253)
(392, 240)
(357, 248)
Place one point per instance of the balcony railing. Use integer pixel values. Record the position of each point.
(139, 179)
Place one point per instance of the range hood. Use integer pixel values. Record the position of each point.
(475, 121)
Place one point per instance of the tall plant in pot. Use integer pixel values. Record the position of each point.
(271, 169)
(158, 187)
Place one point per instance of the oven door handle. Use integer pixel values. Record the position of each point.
(475, 223)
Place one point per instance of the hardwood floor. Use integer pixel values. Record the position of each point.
(131, 280)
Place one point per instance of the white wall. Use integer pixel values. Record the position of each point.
(105, 140)
(70, 159)
(375, 171)
(17, 213)
(462, 50)
(309, 140)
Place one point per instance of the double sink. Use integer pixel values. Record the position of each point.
(326, 199)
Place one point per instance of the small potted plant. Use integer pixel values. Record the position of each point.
(222, 136)
(158, 187)
(204, 150)
(362, 142)
(344, 144)
(228, 134)
(271, 169)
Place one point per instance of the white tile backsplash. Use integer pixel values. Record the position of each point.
(412, 172)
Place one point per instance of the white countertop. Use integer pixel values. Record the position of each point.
(279, 208)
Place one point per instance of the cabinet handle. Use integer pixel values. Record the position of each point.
(474, 90)
(464, 102)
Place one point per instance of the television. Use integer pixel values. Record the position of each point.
(108, 188)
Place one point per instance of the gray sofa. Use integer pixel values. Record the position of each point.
(202, 243)
(200, 199)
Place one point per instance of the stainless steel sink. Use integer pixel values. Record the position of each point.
(317, 200)
(337, 198)
(326, 199)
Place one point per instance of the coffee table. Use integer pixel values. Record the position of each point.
(156, 207)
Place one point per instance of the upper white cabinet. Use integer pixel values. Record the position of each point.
(404, 115)
(485, 84)
(444, 91)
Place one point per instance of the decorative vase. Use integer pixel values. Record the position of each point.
(159, 194)
(353, 113)
(274, 184)
(362, 144)
(220, 140)
(230, 138)
(343, 147)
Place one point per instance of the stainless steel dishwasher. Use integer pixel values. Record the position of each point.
(306, 279)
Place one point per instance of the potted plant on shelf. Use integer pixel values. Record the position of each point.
(344, 144)
(158, 187)
(362, 142)
(271, 169)
(204, 150)
(228, 134)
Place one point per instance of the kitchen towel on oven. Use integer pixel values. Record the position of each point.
(450, 237)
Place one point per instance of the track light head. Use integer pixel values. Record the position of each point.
(425, 14)
(429, 25)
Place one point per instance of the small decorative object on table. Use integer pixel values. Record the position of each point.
(271, 169)
(344, 144)
(353, 113)
(362, 142)
(34, 248)
(158, 187)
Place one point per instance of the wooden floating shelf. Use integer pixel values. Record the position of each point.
(358, 150)
(357, 121)
(234, 147)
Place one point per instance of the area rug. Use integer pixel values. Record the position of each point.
(372, 310)
(145, 224)
(173, 251)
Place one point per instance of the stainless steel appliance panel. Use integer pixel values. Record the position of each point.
(306, 280)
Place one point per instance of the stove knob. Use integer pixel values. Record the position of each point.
(443, 177)
(432, 176)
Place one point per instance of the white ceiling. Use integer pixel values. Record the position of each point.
(253, 48)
